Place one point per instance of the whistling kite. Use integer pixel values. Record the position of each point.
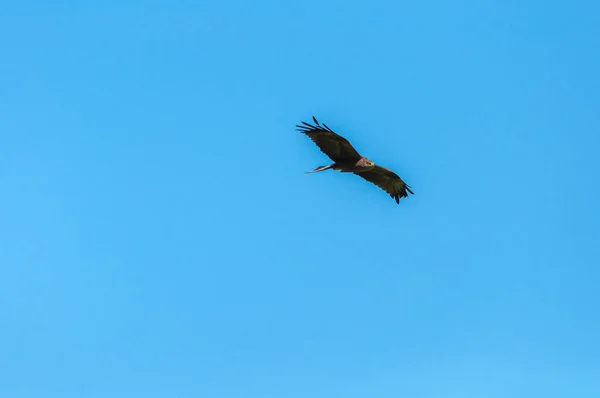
(348, 160)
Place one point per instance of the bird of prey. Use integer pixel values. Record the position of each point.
(348, 160)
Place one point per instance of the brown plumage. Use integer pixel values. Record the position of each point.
(348, 160)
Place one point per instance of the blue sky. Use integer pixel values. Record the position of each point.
(159, 237)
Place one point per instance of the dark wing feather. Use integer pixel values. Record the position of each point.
(331, 144)
(388, 181)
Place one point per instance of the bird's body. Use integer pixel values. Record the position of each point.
(362, 165)
(348, 160)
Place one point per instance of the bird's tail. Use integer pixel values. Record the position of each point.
(320, 168)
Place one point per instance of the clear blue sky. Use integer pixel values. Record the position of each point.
(159, 238)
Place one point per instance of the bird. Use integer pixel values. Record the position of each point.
(347, 160)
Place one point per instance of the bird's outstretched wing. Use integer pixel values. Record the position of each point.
(331, 144)
(388, 181)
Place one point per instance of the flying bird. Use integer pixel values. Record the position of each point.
(348, 160)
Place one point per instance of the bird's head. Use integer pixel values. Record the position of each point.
(367, 164)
